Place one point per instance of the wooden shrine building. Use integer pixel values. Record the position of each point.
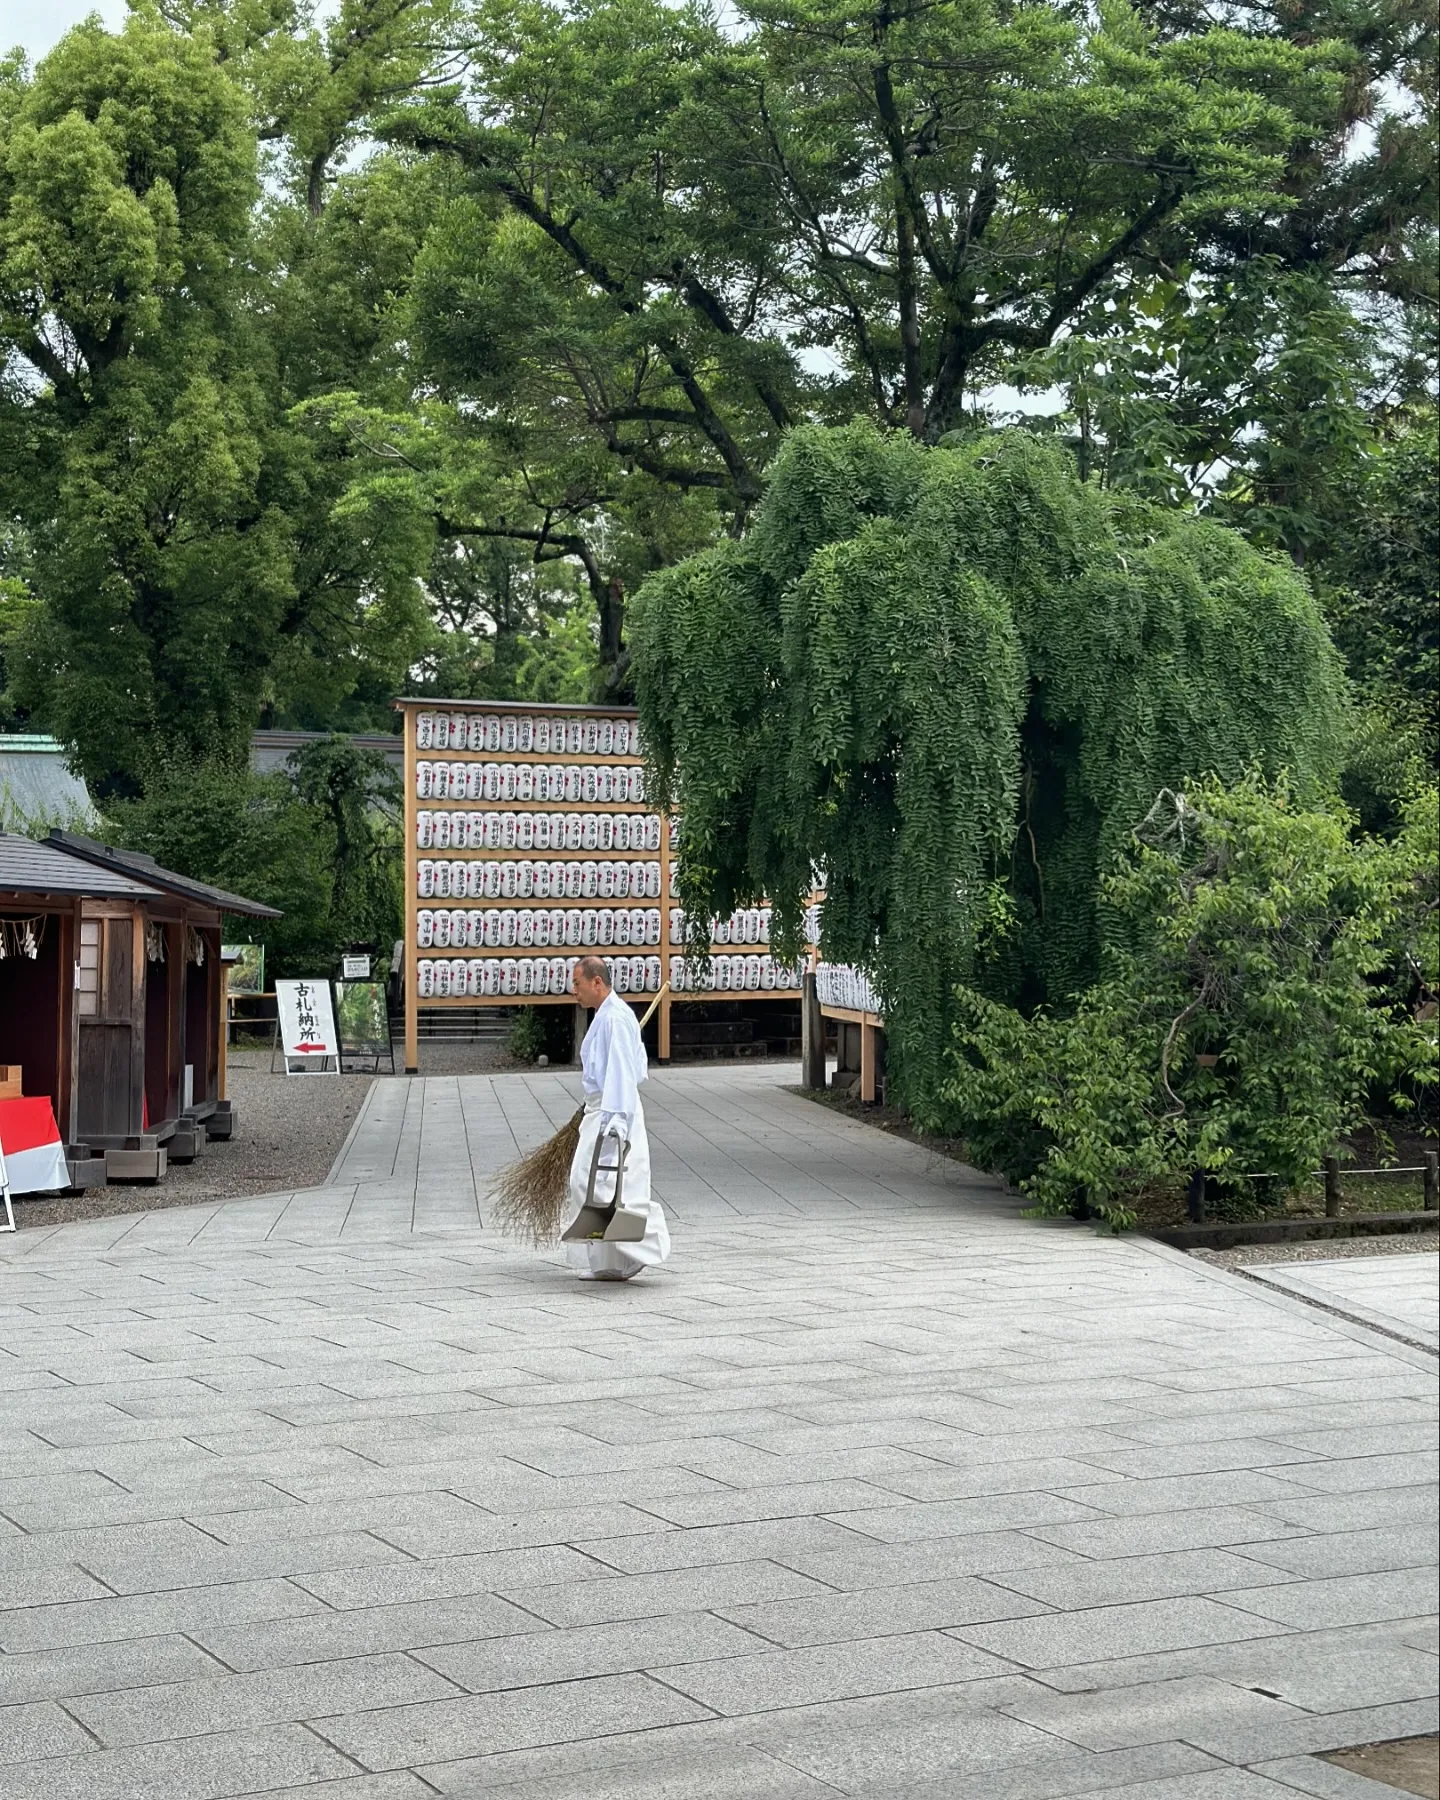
(112, 1003)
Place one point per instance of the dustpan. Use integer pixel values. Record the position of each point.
(606, 1222)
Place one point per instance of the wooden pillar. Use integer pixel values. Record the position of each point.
(867, 1064)
(812, 1033)
(223, 1027)
(663, 1026)
(409, 972)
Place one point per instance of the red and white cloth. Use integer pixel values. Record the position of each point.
(31, 1152)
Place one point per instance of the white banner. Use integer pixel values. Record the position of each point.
(307, 1021)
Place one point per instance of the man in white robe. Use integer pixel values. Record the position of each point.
(612, 1066)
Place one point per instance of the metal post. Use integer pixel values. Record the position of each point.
(1195, 1197)
(1332, 1187)
(1432, 1181)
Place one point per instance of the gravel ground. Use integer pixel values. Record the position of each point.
(287, 1134)
(1416, 1243)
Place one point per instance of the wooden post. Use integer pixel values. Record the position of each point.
(812, 1033)
(867, 1064)
(410, 974)
(663, 1026)
(1432, 1181)
(224, 1048)
(1195, 1197)
(1332, 1187)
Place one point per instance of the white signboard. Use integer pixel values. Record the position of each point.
(307, 1022)
(355, 968)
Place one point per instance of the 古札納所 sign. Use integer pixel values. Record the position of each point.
(307, 1021)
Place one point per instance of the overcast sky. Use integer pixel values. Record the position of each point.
(35, 25)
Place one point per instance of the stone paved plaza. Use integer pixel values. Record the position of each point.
(877, 1489)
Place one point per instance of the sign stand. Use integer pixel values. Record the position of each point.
(306, 1025)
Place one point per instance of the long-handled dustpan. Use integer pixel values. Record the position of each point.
(606, 1222)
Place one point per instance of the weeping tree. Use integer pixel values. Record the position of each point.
(946, 683)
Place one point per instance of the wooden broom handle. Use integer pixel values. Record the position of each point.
(650, 1009)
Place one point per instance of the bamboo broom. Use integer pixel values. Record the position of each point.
(530, 1195)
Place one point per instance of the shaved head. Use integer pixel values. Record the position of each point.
(593, 968)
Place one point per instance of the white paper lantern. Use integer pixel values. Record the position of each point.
(542, 736)
(605, 925)
(574, 880)
(490, 784)
(572, 737)
(474, 782)
(622, 737)
(570, 786)
(574, 831)
(652, 974)
(589, 736)
(620, 880)
(720, 931)
(525, 735)
(424, 829)
(440, 731)
(441, 888)
(509, 927)
(507, 731)
(589, 927)
(524, 781)
(475, 736)
(524, 880)
(491, 933)
(492, 731)
(425, 978)
(590, 880)
(605, 880)
(425, 877)
(424, 730)
(525, 927)
(559, 980)
(767, 973)
(677, 925)
(652, 925)
(473, 971)
(605, 738)
(620, 926)
(509, 976)
(575, 927)
(508, 828)
(507, 781)
(425, 927)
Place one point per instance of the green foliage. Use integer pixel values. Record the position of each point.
(954, 679)
(1380, 578)
(526, 1040)
(320, 843)
(1269, 940)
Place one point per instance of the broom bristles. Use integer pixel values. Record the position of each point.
(531, 1195)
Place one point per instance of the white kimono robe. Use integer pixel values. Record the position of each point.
(612, 1066)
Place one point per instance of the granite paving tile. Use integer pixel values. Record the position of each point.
(1056, 1639)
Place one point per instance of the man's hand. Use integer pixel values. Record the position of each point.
(619, 1123)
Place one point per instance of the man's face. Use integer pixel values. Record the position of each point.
(588, 990)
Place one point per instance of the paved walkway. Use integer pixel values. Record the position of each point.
(877, 1489)
(1397, 1293)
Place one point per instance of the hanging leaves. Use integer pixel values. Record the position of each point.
(954, 679)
